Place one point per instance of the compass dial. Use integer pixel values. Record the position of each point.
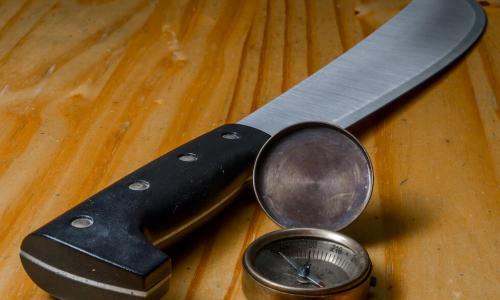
(331, 263)
(307, 261)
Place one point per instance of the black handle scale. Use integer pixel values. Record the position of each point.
(112, 258)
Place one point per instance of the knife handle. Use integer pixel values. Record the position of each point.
(98, 249)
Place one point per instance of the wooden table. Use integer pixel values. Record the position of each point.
(91, 90)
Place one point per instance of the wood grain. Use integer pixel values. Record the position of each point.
(91, 90)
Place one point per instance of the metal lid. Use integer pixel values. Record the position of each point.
(313, 175)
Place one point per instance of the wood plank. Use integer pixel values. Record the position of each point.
(91, 90)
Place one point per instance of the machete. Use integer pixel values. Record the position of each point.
(98, 249)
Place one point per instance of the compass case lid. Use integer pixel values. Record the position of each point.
(313, 175)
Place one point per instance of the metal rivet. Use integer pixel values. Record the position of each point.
(82, 222)
(139, 185)
(230, 136)
(188, 157)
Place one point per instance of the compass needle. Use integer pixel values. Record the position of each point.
(305, 271)
(289, 261)
(284, 261)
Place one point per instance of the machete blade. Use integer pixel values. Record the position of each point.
(422, 39)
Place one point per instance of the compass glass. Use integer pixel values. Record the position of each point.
(308, 263)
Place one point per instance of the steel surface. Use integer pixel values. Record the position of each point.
(422, 39)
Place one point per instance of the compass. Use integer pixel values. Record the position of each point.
(314, 179)
(306, 262)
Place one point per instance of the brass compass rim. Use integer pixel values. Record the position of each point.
(327, 235)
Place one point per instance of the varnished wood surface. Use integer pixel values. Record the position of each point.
(91, 90)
